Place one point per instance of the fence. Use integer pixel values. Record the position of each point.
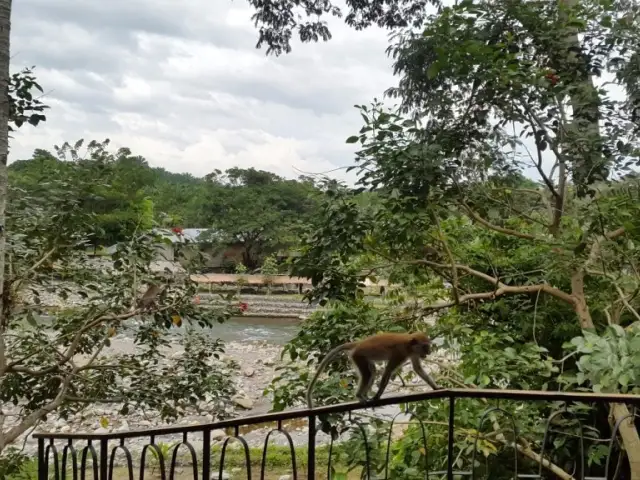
(99, 454)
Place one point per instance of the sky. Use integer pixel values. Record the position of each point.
(182, 84)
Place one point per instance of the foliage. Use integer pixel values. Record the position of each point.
(278, 20)
(609, 362)
(23, 106)
(111, 185)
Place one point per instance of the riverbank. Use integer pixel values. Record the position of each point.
(257, 366)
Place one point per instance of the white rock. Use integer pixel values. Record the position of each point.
(249, 372)
(101, 430)
(225, 476)
(284, 477)
(243, 402)
(218, 434)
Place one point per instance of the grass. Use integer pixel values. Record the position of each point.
(278, 463)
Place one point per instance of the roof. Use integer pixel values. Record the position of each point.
(189, 234)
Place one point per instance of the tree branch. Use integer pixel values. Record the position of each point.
(35, 416)
(14, 366)
(597, 245)
(621, 294)
(496, 228)
(454, 270)
(506, 290)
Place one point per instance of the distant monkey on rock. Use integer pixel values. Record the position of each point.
(393, 348)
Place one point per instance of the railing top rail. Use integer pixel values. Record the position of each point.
(351, 406)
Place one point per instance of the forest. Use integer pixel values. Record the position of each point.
(531, 279)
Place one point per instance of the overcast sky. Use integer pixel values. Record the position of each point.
(182, 84)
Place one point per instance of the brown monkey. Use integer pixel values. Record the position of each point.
(393, 348)
(149, 297)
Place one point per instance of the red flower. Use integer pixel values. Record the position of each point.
(243, 306)
(552, 77)
(196, 299)
(177, 230)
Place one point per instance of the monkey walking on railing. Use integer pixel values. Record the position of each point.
(393, 348)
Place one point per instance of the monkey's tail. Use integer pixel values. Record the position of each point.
(323, 364)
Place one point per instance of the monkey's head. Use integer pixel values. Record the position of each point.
(421, 344)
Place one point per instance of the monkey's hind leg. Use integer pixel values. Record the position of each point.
(366, 372)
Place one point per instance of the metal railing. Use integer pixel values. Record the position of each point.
(102, 454)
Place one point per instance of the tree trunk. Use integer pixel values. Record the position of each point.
(5, 36)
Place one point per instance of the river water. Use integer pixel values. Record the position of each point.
(276, 331)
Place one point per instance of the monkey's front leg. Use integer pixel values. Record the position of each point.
(417, 367)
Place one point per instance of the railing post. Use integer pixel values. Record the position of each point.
(311, 443)
(104, 458)
(206, 454)
(42, 465)
(452, 416)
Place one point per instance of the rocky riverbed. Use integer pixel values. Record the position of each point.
(257, 361)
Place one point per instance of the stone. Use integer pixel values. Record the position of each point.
(268, 362)
(215, 476)
(249, 372)
(284, 477)
(101, 430)
(243, 402)
(218, 434)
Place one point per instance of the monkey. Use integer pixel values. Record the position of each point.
(149, 297)
(393, 348)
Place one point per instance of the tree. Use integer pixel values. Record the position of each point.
(258, 209)
(448, 167)
(58, 365)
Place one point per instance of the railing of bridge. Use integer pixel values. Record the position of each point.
(63, 456)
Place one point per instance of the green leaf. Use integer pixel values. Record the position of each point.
(353, 139)
(433, 70)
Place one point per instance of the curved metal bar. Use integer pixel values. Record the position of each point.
(127, 455)
(174, 458)
(279, 429)
(83, 461)
(515, 439)
(56, 467)
(612, 440)
(74, 460)
(143, 455)
(546, 436)
(247, 456)
(424, 442)
(367, 448)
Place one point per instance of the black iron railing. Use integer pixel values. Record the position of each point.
(99, 448)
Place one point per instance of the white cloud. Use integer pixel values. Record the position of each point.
(182, 84)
